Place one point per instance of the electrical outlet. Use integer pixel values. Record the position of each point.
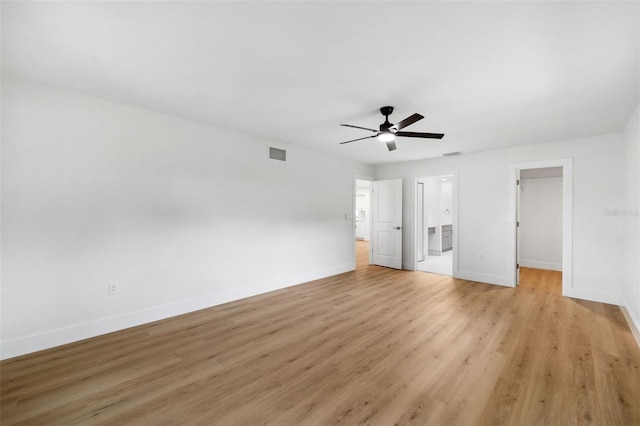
(113, 288)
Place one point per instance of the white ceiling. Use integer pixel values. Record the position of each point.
(487, 74)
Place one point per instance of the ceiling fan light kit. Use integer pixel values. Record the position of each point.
(387, 132)
(386, 136)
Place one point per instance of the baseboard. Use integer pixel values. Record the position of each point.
(592, 295)
(62, 336)
(634, 324)
(541, 265)
(483, 278)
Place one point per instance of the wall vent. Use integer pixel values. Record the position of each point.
(277, 154)
(449, 154)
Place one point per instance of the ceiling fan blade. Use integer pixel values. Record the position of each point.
(420, 135)
(359, 139)
(407, 121)
(358, 127)
(391, 145)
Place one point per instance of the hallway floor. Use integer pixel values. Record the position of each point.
(442, 264)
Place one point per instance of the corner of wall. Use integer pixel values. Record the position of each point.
(631, 277)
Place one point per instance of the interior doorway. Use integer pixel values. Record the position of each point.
(542, 210)
(540, 218)
(539, 221)
(435, 223)
(383, 224)
(362, 221)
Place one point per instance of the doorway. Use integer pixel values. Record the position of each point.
(362, 222)
(539, 222)
(383, 225)
(540, 218)
(435, 227)
(540, 204)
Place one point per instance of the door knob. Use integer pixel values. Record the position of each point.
(398, 227)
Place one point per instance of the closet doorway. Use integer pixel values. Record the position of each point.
(525, 249)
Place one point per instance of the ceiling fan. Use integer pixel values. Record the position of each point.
(388, 131)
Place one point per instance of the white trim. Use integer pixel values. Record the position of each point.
(61, 336)
(567, 222)
(537, 264)
(634, 324)
(593, 295)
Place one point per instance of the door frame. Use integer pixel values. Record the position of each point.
(567, 218)
(454, 216)
(352, 214)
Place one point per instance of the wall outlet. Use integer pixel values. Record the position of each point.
(113, 288)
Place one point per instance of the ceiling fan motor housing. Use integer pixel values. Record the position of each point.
(386, 110)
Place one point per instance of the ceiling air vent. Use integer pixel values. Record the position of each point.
(450, 154)
(277, 154)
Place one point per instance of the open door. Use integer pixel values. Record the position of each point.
(386, 238)
(518, 192)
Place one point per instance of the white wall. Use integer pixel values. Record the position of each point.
(484, 225)
(630, 217)
(432, 200)
(446, 203)
(181, 215)
(541, 223)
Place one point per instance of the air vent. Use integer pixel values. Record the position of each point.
(277, 154)
(450, 154)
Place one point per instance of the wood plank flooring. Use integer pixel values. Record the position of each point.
(374, 346)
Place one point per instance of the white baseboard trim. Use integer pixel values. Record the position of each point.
(483, 278)
(62, 336)
(634, 323)
(593, 295)
(541, 265)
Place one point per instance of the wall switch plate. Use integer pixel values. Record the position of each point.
(113, 288)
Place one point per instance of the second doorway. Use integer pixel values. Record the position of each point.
(435, 227)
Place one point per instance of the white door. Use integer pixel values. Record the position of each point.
(386, 239)
(518, 189)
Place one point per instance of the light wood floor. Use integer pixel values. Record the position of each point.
(374, 346)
